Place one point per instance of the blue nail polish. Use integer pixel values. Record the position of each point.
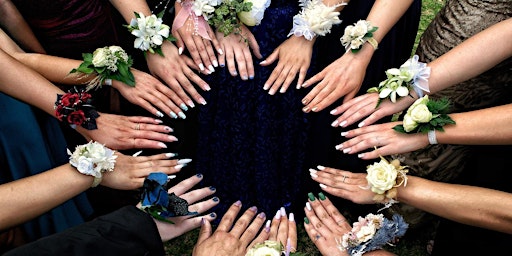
(215, 199)
(183, 106)
(212, 188)
(199, 175)
(251, 77)
(213, 215)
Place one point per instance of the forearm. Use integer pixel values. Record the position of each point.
(32, 196)
(474, 56)
(13, 21)
(470, 205)
(128, 7)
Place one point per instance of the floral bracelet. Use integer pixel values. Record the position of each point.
(384, 178)
(355, 36)
(74, 108)
(93, 159)
(426, 115)
(108, 63)
(270, 247)
(150, 32)
(371, 233)
(314, 19)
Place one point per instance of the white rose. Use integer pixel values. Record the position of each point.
(100, 57)
(267, 248)
(421, 114)
(408, 123)
(366, 233)
(381, 176)
(254, 17)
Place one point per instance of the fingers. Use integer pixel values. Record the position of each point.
(253, 44)
(205, 232)
(229, 217)
(326, 222)
(253, 229)
(185, 185)
(243, 222)
(262, 236)
(199, 194)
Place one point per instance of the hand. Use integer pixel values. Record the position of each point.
(282, 229)
(294, 56)
(326, 226)
(366, 105)
(149, 93)
(127, 132)
(236, 47)
(183, 224)
(231, 239)
(129, 172)
(200, 49)
(383, 139)
(175, 71)
(342, 78)
(344, 184)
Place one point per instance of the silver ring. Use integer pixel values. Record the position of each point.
(317, 237)
(344, 178)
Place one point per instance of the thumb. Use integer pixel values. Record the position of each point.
(205, 232)
(270, 59)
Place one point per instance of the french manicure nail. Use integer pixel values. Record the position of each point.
(215, 63)
(361, 124)
(266, 86)
(202, 101)
(173, 115)
(271, 92)
(338, 147)
(159, 114)
(184, 161)
(183, 106)
(334, 111)
(347, 150)
(201, 66)
(305, 109)
(191, 103)
(211, 68)
(158, 121)
(322, 185)
(343, 134)
(342, 124)
(278, 215)
(183, 116)
(169, 155)
(314, 109)
(321, 196)
(179, 166)
(173, 138)
(308, 206)
(297, 87)
(320, 167)
(311, 197)
(283, 90)
(335, 123)
(162, 145)
(312, 174)
(180, 50)
(291, 217)
(360, 155)
(207, 87)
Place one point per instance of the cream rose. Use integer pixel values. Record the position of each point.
(267, 248)
(421, 114)
(408, 123)
(100, 57)
(254, 17)
(381, 176)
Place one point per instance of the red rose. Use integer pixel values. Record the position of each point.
(76, 117)
(85, 96)
(70, 99)
(58, 112)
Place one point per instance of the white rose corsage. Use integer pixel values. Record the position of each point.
(314, 19)
(199, 11)
(384, 178)
(93, 159)
(411, 75)
(110, 62)
(256, 14)
(355, 36)
(426, 115)
(150, 32)
(371, 233)
(271, 248)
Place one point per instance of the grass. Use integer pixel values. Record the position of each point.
(412, 245)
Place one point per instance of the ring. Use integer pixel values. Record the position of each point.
(344, 178)
(137, 127)
(317, 237)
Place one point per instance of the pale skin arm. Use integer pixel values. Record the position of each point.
(480, 205)
(344, 77)
(12, 20)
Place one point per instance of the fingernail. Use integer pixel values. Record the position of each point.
(314, 109)
(159, 114)
(338, 147)
(342, 124)
(283, 211)
(306, 109)
(215, 63)
(253, 208)
(211, 68)
(212, 188)
(184, 161)
(191, 103)
(347, 150)
(179, 166)
(298, 86)
(334, 111)
(183, 106)
(173, 115)
(266, 86)
(313, 174)
(304, 85)
(222, 65)
(180, 50)
(263, 62)
(220, 51)
(361, 124)
(321, 196)
(169, 155)
(202, 101)
(215, 199)
(272, 92)
(213, 215)
(308, 206)
(311, 197)
(244, 78)
(202, 221)
(234, 73)
(170, 177)
(343, 134)
(167, 128)
(162, 145)
(322, 185)
(304, 101)
(137, 153)
(278, 215)
(283, 90)
(207, 87)
(199, 175)
(238, 203)
(320, 167)
(291, 217)
(360, 155)
(306, 220)
(183, 116)
(267, 226)
(261, 215)
(335, 123)
(251, 77)
(158, 121)
(172, 138)
(201, 66)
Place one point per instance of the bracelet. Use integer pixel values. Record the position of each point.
(74, 108)
(356, 35)
(315, 18)
(108, 82)
(432, 139)
(93, 159)
(152, 35)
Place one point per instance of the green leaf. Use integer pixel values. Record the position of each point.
(399, 128)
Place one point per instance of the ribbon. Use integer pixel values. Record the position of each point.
(200, 24)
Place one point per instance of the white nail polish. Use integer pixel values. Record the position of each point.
(184, 161)
(334, 111)
(202, 101)
(343, 134)
(180, 50)
(271, 92)
(263, 62)
(338, 147)
(267, 225)
(308, 206)
(314, 109)
(291, 217)
(159, 114)
(342, 124)
(162, 145)
(266, 86)
(360, 155)
(283, 90)
(278, 215)
(322, 185)
(335, 123)
(298, 86)
(201, 66)
(207, 87)
(137, 153)
(170, 177)
(158, 121)
(173, 115)
(183, 116)
(220, 51)
(361, 124)
(211, 68)
(312, 170)
(215, 63)
(191, 104)
(283, 211)
(173, 138)
(320, 167)
(347, 150)
(178, 167)
(312, 174)
(169, 155)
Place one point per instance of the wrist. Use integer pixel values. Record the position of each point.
(93, 159)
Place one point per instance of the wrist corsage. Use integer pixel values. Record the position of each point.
(355, 36)
(150, 32)
(272, 248)
(426, 115)
(109, 62)
(314, 19)
(197, 10)
(158, 203)
(371, 233)
(411, 75)
(384, 178)
(74, 108)
(93, 159)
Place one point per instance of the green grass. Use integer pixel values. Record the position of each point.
(412, 245)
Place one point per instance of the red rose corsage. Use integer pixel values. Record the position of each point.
(75, 108)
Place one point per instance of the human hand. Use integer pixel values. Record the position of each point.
(228, 238)
(325, 225)
(366, 106)
(130, 171)
(236, 48)
(294, 56)
(127, 132)
(175, 71)
(183, 224)
(342, 78)
(149, 93)
(383, 139)
(283, 230)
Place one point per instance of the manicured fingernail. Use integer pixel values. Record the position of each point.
(308, 206)
(322, 185)
(298, 86)
(159, 114)
(167, 128)
(267, 226)
(272, 92)
(311, 197)
(222, 65)
(215, 199)
(312, 174)
(191, 103)
(179, 166)
(215, 63)
(251, 77)
(203, 221)
(245, 78)
(306, 220)
(201, 66)
(335, 123)
(169, 155)
(212, 188)
(342, 124)
(338, 147)
(262, 215)
(158, 121)
(304, 85)
(347, 150)
(162, 145)
(263, 62)
(180, 50)
(266, 86)
(220, 51)
(278, 215)
(238, 203)
(213, 215)
(360, 155)
(314, 109)
(172, 138)
(202, 101)
(320, 167)
(173, 115)
(137, 153)
(283, 90)
(321, 196)
(170, 177)
(334, 111)
(283, 211)
(183, 106)
(361, 124)
(253, 208)
(207, 87)
(199, 175)
(305, 109)
(234, 73)
(291, 217)
(211, 68)
(181, 115)
(304, 101)
(343, 134)
(184, 161)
